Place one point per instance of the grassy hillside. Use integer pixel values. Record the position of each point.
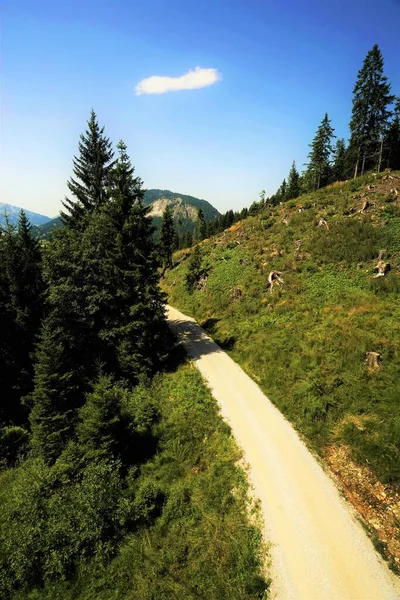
(180, 526)
(306, 342)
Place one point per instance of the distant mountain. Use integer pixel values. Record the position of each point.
(13, 213)
(43, 232)
(177, 203)
(184, 209)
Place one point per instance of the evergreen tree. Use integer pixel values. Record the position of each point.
(293, 184)
(370, 113)
(105, 309)
(92, 170)
(340, 161)
(319, 166)
(187, 241)
(21, 295)
(167, 237)
(393, 139)
(201, 226)
(195, 270)
(282, 191)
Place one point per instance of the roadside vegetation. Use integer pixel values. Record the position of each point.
(118, 477)
(180, 525)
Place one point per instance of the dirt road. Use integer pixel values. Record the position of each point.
(319, 552)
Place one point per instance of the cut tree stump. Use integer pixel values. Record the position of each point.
(373, 360)
(274, 278)
(323, 223)
(381, 269)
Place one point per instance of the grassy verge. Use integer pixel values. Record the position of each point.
(305, 343)
(195, 535)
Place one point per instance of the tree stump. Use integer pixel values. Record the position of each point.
(274, 278)
(323, 223)
(373, 360)
(381, 269)
(236, 293)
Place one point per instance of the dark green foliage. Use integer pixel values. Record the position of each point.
(13, 444)
(201, 227)
(45, 232)
(319, 166)
(195, 269)
(116, 423)
(370, 113)
(21, 310)
(293, 183)
(105, 309)
(167, 237)
(92, 170)
(96, 530)
(393, 139)
(340, 167)
(281, 194)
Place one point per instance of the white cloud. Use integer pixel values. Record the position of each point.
(194, 79)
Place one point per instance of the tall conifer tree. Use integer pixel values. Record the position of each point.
(319, 166)
(340, 161)
(393, 139)
(92, 175)
(370, 113)
(293, 183)
(22, 298)
(167, 237)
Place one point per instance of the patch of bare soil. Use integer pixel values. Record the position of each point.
(377, 503)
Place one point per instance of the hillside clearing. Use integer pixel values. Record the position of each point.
(306, 342)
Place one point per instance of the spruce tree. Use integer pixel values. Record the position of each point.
(282, 192)
(201, 226)
(293, 184)
(92, 175)
(140, 333)
(22, 298)
(195, 270)
(319, 166)
(370, 113)
(105, 308)
(167, 237)
(340, 161)
(393, 139)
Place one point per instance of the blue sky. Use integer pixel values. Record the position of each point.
(283, 64)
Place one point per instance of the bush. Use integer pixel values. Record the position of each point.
(14, 442)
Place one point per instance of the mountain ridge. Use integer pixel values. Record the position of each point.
(13, 211)
(184, 210)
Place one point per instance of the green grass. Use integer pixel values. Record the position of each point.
(195, 533)
(305, 343)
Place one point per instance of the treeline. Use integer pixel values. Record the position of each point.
(82, 325)
(374, 144)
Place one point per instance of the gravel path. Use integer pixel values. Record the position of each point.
(319, 550)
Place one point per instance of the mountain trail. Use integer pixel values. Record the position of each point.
(319, 550)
